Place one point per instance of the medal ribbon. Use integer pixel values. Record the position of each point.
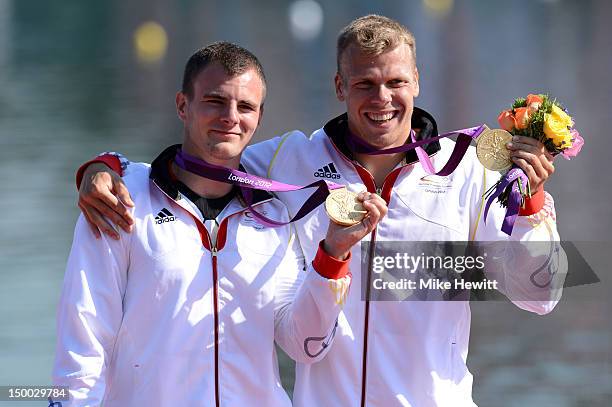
(357, 145)
(514, 199)
(247, 182)
(464, 139)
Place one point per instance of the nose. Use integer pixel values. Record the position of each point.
(383, 94)
(230, 114)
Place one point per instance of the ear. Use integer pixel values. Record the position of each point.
(339, 84)
(261, 112)
(181, 105)
(416, 82)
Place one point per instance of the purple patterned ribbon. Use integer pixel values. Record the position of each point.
(464, 139)
(357, 145)
(247, 182)
(514, 199)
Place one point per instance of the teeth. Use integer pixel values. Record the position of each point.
(381, 117)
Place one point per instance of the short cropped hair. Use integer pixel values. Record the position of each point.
(374, 35)
(234, 59)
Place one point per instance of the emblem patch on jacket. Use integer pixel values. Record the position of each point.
(249, 219)
(435, 184)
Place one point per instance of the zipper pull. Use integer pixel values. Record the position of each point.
(213, 251)
(379, 191)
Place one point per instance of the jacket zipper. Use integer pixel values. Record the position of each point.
(213, 252)
(364, 362)
(371, 250)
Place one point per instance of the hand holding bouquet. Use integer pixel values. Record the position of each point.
(541, 118)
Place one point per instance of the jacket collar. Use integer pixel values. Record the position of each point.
(337, 129)
(161, 175)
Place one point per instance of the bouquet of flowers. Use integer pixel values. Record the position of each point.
(541, 118)
(544, 119)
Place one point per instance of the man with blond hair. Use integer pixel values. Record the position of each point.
(407, 353)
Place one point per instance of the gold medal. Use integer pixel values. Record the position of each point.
(343, 207)
(491, 149)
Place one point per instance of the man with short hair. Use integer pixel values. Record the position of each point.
(406, 353)
(185, 310)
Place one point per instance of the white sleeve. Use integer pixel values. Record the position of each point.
(307, 306)
(89, 314)
(531, 267)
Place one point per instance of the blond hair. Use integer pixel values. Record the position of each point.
(374, 35)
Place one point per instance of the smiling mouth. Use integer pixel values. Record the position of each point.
(380, 118)
(224, 133)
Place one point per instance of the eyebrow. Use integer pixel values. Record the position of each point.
(214, 94)
(361, 79)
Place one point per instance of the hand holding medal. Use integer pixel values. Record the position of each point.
(344, 208)
(352, 217)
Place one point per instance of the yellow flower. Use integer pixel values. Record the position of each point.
(556, 127)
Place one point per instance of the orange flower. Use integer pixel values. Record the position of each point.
(506, 120)
(522, 117)
(533, 102)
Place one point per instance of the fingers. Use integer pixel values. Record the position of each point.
(529, 145)
(376, 207)
(90, 222)
(98, 223)
(340, 239)
(526, 140)
(534, 161)
(533, 158)
(123, 194)
(120, 202)
(97, 204)
(97, 199)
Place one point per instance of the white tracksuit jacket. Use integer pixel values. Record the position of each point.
(155, 319)
(402, 353)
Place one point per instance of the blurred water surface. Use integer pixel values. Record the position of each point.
(71, 85)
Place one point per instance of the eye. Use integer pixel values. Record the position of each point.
(212, 101)
(246, 107)
(365, 85)
(397, 83)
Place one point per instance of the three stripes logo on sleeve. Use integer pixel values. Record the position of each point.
(328, 171)
(164, 216)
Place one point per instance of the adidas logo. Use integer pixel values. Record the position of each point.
(329, 171)
(164, 216)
